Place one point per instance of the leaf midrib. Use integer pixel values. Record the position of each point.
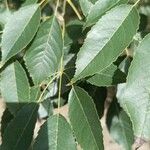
(23, 29)
(49, 33)
(24, 128)
(47, 41)
(122, 125)
(14, 73)
(86, 118)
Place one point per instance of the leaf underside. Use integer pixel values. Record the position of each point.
(85, 6)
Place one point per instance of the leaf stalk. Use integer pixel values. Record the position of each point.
(74, 8)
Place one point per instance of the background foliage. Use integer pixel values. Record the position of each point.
(63, 52)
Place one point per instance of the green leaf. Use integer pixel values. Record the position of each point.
(93, 1)
(145, 10)
(14, 86)
(98, 94)
(86, 125)
(109, 76)
(55, 134)
(19, 31)
(85, 6)
(134, 96)
(34, 93)
(43, 57)
(120, 126)
(101, 46)
(29, 2)
(18, 135)
(4, 16)
(99, 9)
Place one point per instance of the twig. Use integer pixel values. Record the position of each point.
(74, 8)
(41, 96)
(136, 3)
